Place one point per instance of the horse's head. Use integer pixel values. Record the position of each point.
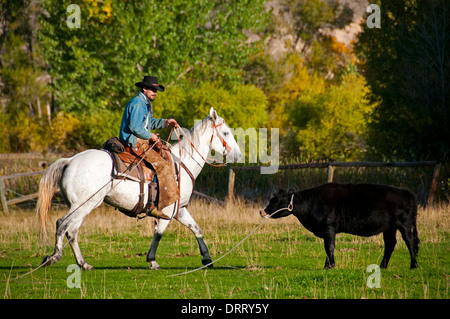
(222, 139)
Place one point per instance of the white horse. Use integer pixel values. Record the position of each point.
(86, 180)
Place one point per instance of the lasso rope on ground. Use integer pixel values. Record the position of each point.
(290, 207)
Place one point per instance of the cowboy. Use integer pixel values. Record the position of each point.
(137, 122)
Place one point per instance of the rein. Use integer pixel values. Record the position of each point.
(178, 132)
(290, 207)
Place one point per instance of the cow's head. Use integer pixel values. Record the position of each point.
(282, 201)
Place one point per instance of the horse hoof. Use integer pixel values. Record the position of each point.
(207, 262)
(46, 261)
(86, 266)
(154, 265)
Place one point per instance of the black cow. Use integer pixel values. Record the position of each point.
(358, 209)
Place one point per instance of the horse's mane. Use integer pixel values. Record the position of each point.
(194, 135)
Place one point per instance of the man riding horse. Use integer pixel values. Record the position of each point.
(135, 132)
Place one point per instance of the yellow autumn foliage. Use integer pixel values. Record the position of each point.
(322, 120)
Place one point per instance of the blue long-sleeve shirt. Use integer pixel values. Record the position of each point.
(137, 120)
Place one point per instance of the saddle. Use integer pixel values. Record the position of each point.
(130, 164)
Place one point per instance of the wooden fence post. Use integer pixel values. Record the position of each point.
(3, 196)
(231, 176)
(330, 174)
(433, 186)
(5, 202)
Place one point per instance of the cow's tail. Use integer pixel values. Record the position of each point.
(416, 240)
(48, 185)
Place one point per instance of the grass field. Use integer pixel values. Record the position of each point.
(280, 260)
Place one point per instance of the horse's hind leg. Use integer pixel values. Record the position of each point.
(59, 239)
(72, 237)
(69, 225)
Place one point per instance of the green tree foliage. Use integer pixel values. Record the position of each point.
(242, 106)
(22, 80)
(94, 67)
(65, 88)
(406, 62)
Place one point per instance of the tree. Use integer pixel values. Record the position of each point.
(24, 100)
(241, 106)
(406, 63)
(309, 22)
(94, 67)
(324, 120)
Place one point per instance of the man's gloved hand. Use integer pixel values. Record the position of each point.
(154, 138)
(156, 143)
(171, 122)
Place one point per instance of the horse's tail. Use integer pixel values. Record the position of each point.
(47, 188)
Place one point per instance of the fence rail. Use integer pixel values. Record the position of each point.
(330, 166)
(25, 198)
(14, 201)
(28, 156)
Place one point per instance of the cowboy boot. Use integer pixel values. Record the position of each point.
(157, 214)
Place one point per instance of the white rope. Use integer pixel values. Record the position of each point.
(290, 207)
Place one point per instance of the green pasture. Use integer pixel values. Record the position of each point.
(281, 260)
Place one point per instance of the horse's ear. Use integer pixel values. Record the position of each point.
(213, 114)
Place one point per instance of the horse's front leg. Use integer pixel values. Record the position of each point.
(159, 231)
(185, 218)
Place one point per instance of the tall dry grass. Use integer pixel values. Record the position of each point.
(221, 225)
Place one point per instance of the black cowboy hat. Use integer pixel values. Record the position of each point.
(150, 82)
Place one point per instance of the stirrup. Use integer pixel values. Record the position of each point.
(157, 214)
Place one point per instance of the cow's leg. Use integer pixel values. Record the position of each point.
(389, 245)
(329, 240)
(416, 239)
(408, 237)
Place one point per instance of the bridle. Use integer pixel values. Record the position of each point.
(224, 143)
(215, 130)
(177, 130)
